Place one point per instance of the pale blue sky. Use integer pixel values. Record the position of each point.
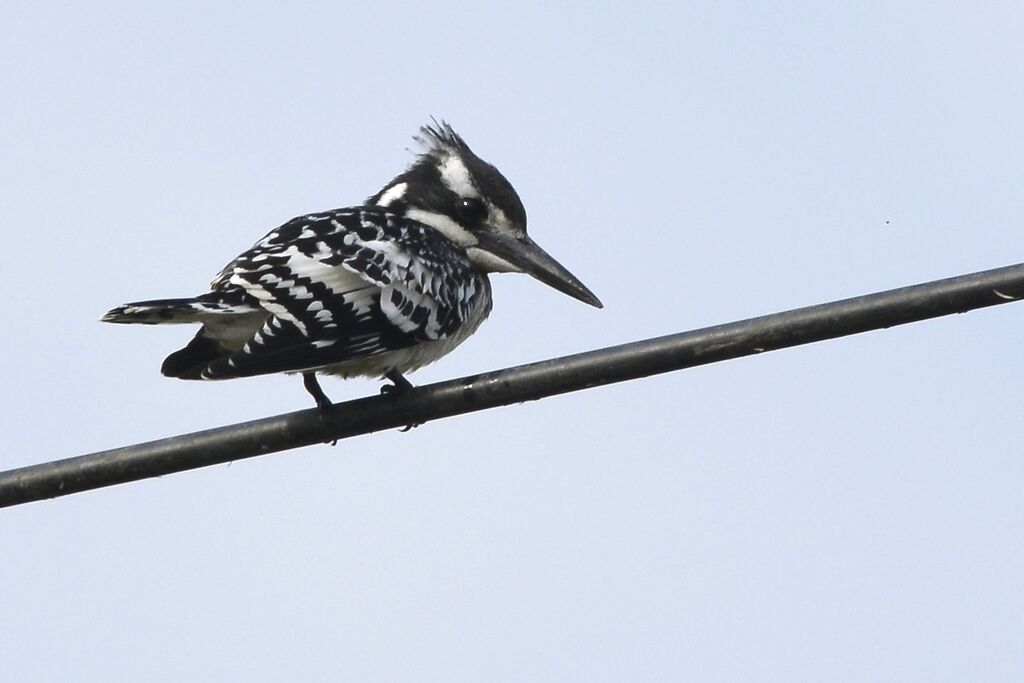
(847, 511)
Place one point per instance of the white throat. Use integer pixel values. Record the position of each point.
(489, 263)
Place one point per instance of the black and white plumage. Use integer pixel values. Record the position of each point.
(376, 290)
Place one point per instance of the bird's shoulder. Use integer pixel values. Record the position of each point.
(378, 245)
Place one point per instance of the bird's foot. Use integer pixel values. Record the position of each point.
(313, 387)
(322, 402)
(399, 385)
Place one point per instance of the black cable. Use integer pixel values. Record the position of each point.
(514, 385)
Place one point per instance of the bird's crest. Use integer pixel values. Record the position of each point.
(440, 139)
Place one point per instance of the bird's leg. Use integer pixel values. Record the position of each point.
(313, 387)
(399, 385)
(322, 402)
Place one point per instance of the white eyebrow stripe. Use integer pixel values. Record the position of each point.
(455, 177)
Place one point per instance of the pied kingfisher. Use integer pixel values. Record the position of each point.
(376, 290)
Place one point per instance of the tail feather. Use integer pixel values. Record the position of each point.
(172, 311)
(228, 317)
(189, 362)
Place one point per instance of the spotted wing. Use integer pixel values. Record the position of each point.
(347, 284)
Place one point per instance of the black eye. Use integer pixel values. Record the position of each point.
(470, 210)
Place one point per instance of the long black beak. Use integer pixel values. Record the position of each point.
(525, 255)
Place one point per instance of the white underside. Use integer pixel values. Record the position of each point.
(408, 359)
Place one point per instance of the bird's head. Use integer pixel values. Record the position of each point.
(468, 200)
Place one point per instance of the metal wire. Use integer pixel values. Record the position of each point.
(514, 385)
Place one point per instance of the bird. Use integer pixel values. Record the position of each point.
(376, 290)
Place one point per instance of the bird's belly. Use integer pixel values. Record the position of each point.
(410, 358)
